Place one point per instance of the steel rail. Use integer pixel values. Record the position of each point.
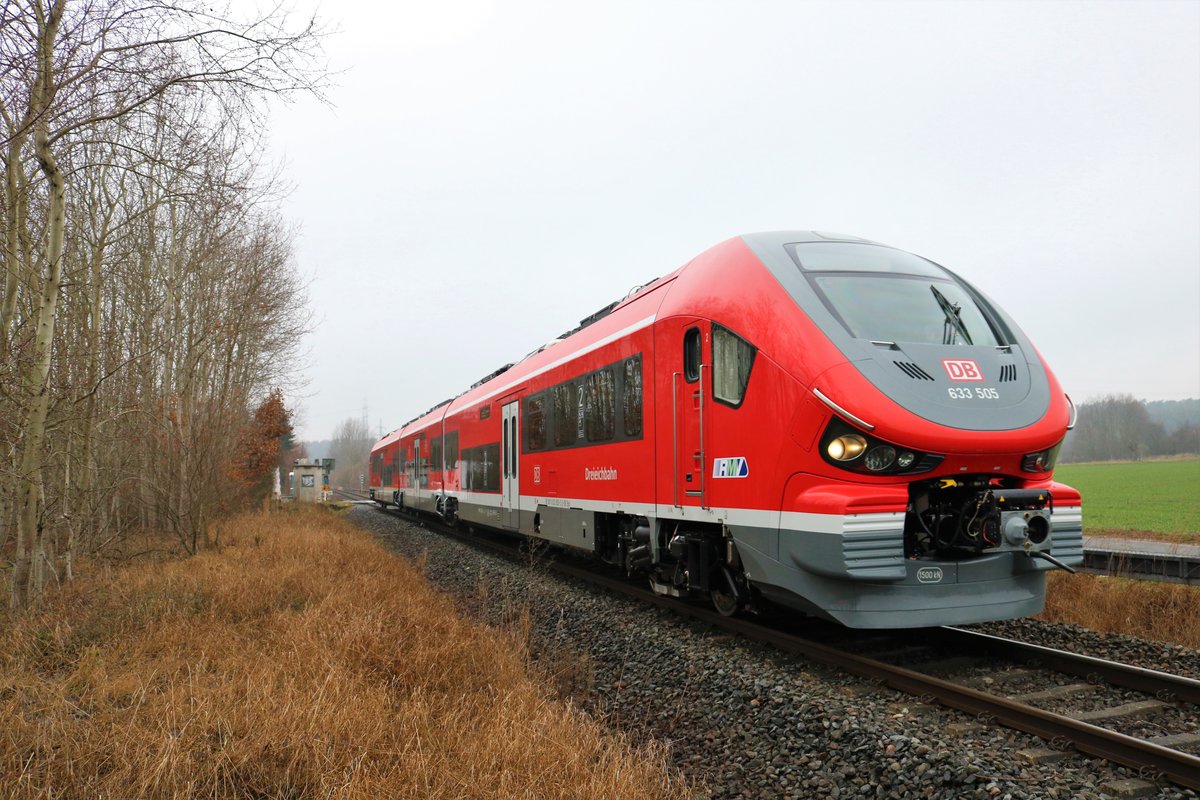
(357, 495)
(1151, 760)
(1176, 766)
(1150, 681)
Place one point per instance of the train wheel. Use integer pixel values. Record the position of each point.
(726, 604)
(725, 594)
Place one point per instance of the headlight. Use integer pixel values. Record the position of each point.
(880, 458)
(847, 447)
(1042, 460)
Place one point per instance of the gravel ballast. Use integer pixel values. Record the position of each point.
(745, 721)
(1161, 656)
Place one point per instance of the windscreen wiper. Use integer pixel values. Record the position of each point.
(953, 320)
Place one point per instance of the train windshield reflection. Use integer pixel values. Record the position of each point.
(903, 309)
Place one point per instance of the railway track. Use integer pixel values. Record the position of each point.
(351, 494)
(949, 661)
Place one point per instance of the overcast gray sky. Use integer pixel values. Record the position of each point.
(489, 173)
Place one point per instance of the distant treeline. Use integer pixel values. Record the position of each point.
(1117, 427)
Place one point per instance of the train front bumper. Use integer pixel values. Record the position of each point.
(852, 569)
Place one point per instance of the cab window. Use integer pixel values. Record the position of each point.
(733, 358)
(691, 355)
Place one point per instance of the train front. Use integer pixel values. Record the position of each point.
(928, 496)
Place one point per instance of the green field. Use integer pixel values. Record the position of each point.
(1159, 496)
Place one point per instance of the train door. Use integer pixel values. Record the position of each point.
(690, 347)
(421, 474)
(410, 473)
(394, 483)
(510, 512)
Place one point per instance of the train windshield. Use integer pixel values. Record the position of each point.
(888, 295)
(904, 308)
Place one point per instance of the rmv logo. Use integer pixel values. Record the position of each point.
(736, 467)
(962, 369)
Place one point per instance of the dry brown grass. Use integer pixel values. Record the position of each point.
(300, 661)
(1167, 612)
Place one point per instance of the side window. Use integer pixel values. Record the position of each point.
(512, 446)
(564, 414)
(535, 423)
(491, 457)
(481, 468)
(435, 453)
(452, 450)
(733, 357)
(600, 412)
(631, 398)
(691, 355)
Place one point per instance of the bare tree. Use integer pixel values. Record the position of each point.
(351, 448)
(86, 89)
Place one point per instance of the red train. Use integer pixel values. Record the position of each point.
(845, 428)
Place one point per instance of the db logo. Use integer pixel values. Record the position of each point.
(962, 369)
(537, 473)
